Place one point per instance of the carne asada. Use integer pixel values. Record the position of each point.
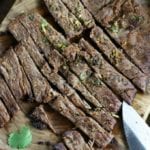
(105, 119)
(90, 79)
(39, 116)
(77, 8)
(74, 141)
(86, 124)
(118, 59)
(4, 116)
(59, 146)
(57, 60)
(55, 37)
(117, 82)
(126, 22)
(40, 86)
(7, 98)
(14, 75)
(69, 23)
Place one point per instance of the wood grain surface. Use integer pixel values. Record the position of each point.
(141, 102)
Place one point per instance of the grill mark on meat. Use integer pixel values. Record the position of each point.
(4, 116)
(39, 116)
(64, 18)
(42, 91)
(77, 8)
(14, 75)
(7, 98)
(118, 59)
(92, 129)
(105, 119)
(74, 141)
(117, 83)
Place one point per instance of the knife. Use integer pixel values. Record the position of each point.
(5, 6)
(137, 132)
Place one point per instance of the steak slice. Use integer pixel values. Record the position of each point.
(77, 8)
(69, 23)
(39, 116)
(86, 124)
(14, 75)
(41, 89)
(117, 82)
(126, 22)
(118, 59)
(74, 141)
(7, 98)
(4, 116)
(59, 146)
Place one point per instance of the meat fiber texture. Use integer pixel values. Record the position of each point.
(85, 82)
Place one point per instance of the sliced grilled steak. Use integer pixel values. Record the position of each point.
(107, 122)
(117, 82)
(32, 27)
(77, 8)
(4, 116)
(53, 36)
(74, 141)
(118, 59)
(91, 80)
(59, 146)
(8, 99)
(90, 127)
(64, 18)
(41, 89)
(39, 116)
(126, 22)
(45, 47)
(15, 76)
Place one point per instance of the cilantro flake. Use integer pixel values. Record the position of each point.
(21, 138)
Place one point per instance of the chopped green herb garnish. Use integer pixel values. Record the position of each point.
(97, 82)
(83, 76)
(61, 46)
(45, 40)
(21, 138)
(135, 20)
(115, 27)
(44, 25)
(115, 56)
(31, 17)
(77, 25)
(87, 22)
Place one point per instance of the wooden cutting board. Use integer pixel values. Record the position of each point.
(141, 102)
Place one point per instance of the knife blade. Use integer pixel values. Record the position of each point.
(5, 6)
(137, 132)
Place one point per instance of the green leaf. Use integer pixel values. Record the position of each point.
(44, 25)
(21, 138)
